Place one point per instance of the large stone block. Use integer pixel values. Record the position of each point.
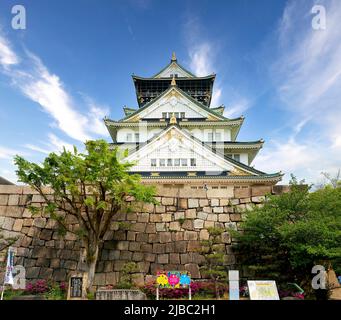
(177, 236)
(204, 235)
(39, 222)
(193, 203)
(174, 226)
(150, 228)
(166, 217)
(203, 202)
(218, 209)
(190, 213)
(14, 211)
(183, 204)
(202, 215)
(193, 270)
(3, 200)
(145, 247)
(143, 217)
(155, 218)
(191, 235)
(167, 201)
(159, 248)
(198, 224)
(179, 215)
(165, 237)
(150, 257)
(163, 258)
(180, 247)
(160, 209)
(160, 227)
(32, 272)
(7, 223)
(193, 245)
(137, 256)
(138, 227)
(174, 258)
(99, 279)
(122, 245)
(212, 217)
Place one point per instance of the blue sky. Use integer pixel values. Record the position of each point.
(72, 66)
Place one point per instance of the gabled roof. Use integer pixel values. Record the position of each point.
(211, 111)
(219, 109)
(237, 164)
(128, 111)
(174, 62)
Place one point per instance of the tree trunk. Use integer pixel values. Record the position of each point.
(92, 250)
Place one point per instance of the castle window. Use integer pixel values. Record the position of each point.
(129, 137)
(210, 136)
(184, 162)
(176, 162)
(162, 162)
(164, 115)
(182, 115)
(153, 162)
(193, 162)
(169, 162)
(236, 157)
(137, 137)
(217, 136)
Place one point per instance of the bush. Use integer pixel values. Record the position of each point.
(51, 290)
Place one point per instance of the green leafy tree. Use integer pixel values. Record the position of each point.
(291, 233)
(213, 251)
(91, 186)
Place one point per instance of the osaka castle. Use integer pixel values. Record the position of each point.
(175, 136)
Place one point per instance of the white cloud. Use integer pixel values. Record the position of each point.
(7, 55)
(308, 77)
(45, 88)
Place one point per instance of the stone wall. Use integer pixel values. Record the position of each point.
(165, 236)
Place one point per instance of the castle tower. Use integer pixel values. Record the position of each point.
(176, 137)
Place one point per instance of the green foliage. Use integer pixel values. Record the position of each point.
(127, 271)
(91, 186)
(214, 252)
(291, 233)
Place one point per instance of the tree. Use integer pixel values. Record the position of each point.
(291, 233)
(213, 251)
(91, 186)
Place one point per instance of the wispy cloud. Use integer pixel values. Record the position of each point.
(40, 85)
(7, 55)
(307, 73)
(8, 153)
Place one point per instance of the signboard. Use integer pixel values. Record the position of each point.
(173, 279)
(233, 284)
(263, 290)
(76, 284)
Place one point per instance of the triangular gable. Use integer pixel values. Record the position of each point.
(174, 68)
(174, 100)
(174, 143)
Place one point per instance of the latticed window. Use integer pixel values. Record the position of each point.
(176, 162)
(162, 162)
(184, 162)
(193, 162)
(169, 162)
(153, 162)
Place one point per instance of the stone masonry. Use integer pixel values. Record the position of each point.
(158, 237)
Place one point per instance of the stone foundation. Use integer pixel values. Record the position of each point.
(165, 236)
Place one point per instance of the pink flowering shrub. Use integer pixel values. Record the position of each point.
(43, 286)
